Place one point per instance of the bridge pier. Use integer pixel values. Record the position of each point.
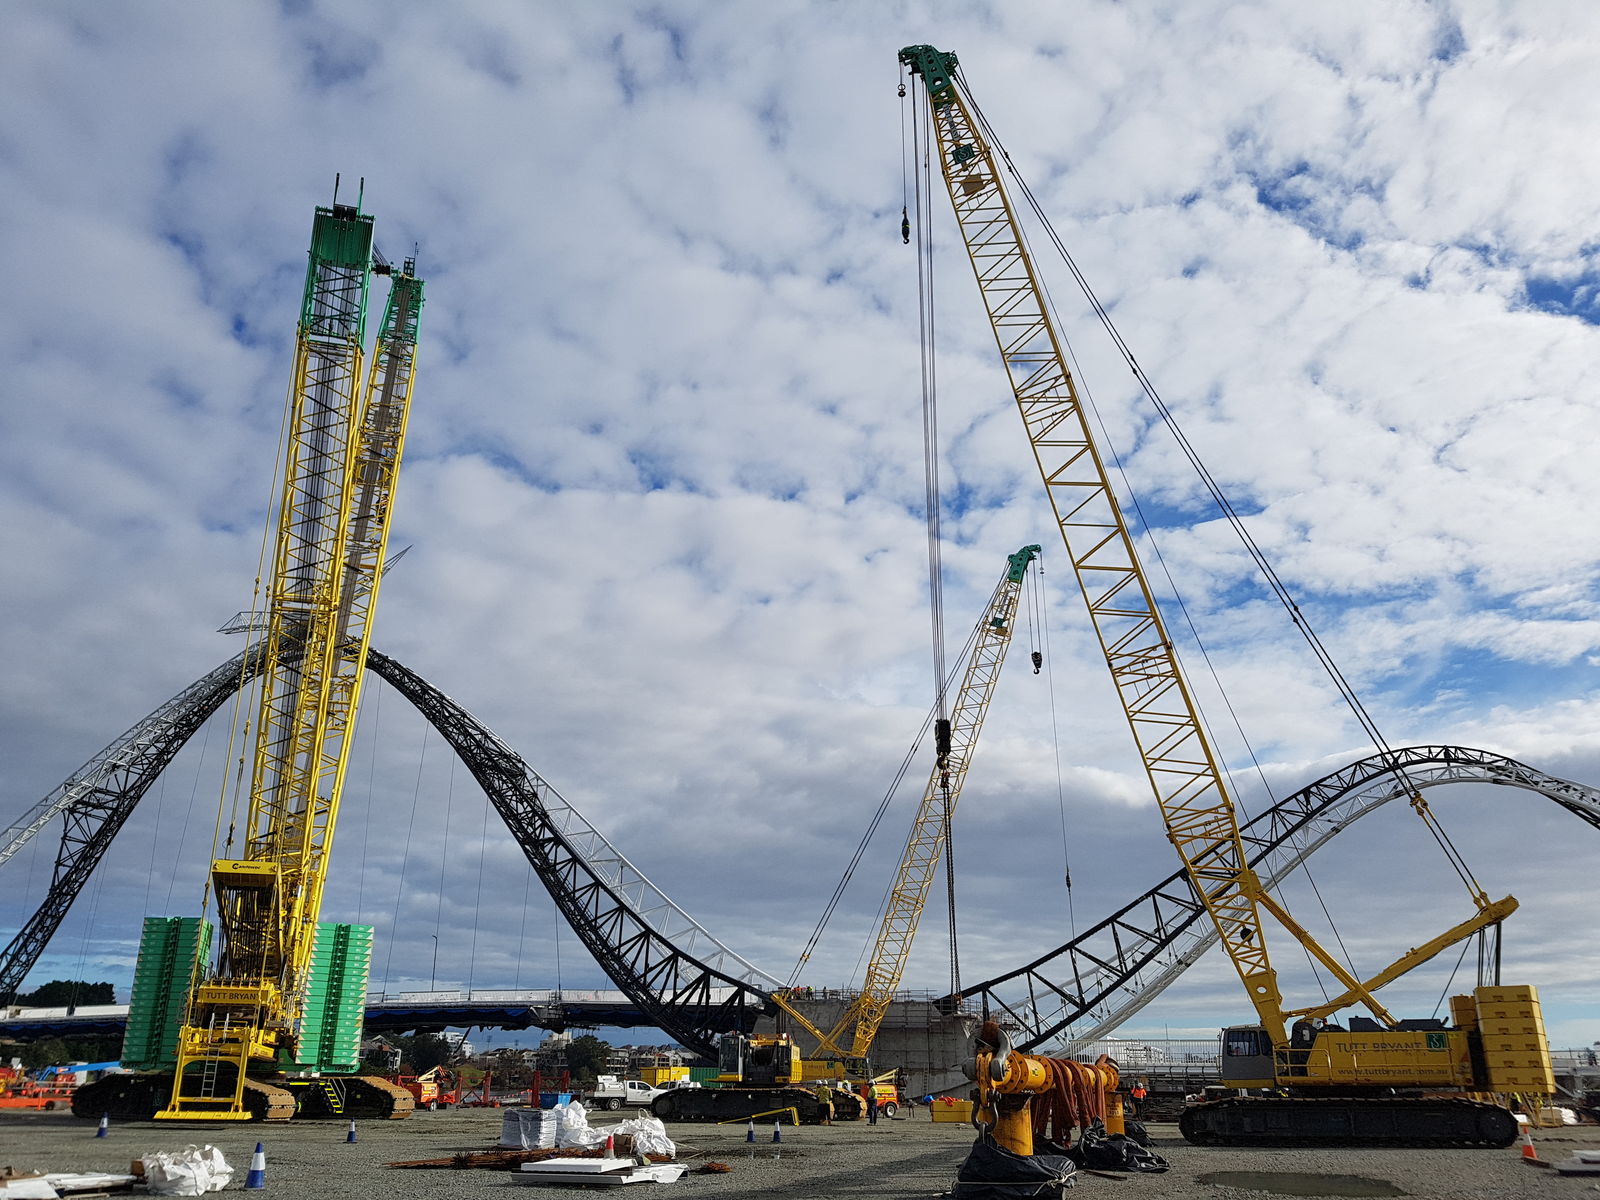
(928, 1045)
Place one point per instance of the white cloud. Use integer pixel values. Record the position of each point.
(664, 479)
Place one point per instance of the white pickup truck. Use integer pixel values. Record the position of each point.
(610, 1092)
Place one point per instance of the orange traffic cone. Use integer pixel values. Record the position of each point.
(1529, 1154)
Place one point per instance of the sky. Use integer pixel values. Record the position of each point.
(664, 485)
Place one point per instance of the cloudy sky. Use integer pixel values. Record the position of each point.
(664, 484)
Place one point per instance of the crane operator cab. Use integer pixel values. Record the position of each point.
(1246, 1057)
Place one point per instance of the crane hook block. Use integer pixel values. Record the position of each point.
(1038, 661)
(941, 738)
(905, 227)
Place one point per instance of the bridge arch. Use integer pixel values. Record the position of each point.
(686, 981)
(1110, 971)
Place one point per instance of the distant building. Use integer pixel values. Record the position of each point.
(383, 1052)
(642, 1058)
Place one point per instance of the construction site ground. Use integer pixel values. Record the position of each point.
(906, 1157)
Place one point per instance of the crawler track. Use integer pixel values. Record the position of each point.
(737, 1104)
(1347, 1121)
(139, 1097)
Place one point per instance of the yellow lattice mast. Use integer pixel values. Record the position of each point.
(925, 845)
(1182, 769)
(343, 453)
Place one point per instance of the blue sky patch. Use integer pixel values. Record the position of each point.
(1575, 297)
(1450, 43)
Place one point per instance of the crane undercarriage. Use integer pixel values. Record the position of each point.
(138, 1097)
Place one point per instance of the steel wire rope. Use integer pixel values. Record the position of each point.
(522, 936)
(1448, 983)
(372, 772)
(923, 141)
(477, 904)
(920, 165)
(1280, 590)
(405, 855)
(1055, 742)
(155, 837)
(905, 764)
(194, 794)
(1224, 505)
(259, 614)
(866, 839)
(444, 855)
(90, 920)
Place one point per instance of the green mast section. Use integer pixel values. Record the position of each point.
(334, 306)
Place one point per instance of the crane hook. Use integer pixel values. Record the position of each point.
(1038, 661)
(902, 89)
(905, 227)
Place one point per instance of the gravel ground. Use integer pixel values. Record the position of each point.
(910, 1157)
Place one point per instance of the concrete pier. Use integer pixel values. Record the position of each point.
(928, 1045)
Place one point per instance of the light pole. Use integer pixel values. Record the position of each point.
(433, 982)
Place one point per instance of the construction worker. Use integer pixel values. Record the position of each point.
(1139, 1092)
(872, 1104)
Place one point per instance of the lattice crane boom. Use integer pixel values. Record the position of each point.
(1177, 758)
(1199, 816)
(925, 845)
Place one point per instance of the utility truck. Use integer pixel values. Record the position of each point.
(612, 1092)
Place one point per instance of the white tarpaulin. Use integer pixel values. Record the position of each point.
(573, 1129)
(192, 1171)
(649, 1136)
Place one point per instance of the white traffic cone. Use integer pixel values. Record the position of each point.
(257, 1178)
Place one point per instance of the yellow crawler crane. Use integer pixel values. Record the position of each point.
(920, 860)
(249, 1015)
(1370, 1085)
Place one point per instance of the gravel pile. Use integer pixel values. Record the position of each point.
(904, 1158)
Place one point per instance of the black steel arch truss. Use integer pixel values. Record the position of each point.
(684, 979)
(1111, 971)
(688, 982)
(603, 897)
(97, 799)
